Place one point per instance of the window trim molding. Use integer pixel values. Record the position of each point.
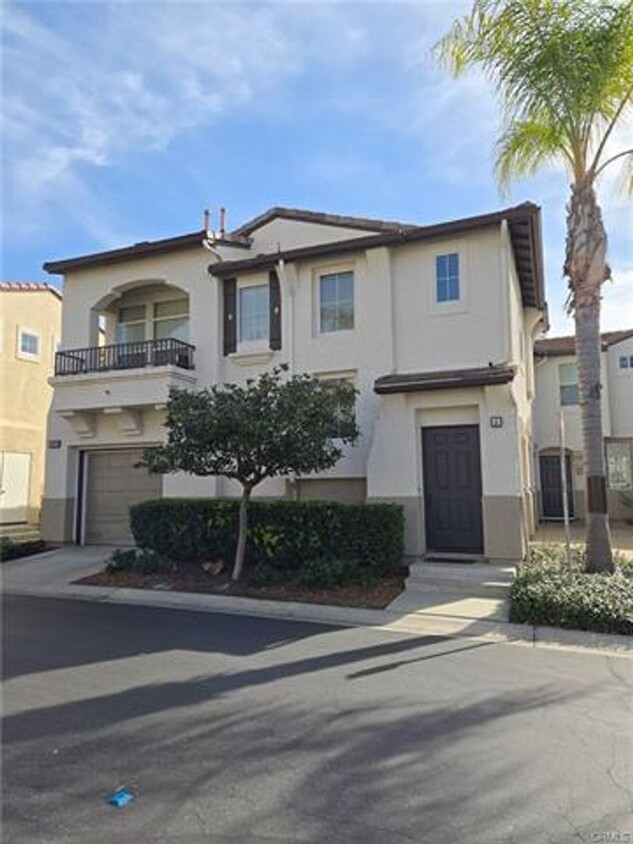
(251, 347)
(28, 356)
(561, 384)
(333, 269)
(453, 306)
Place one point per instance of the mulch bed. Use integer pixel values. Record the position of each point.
(191, 578)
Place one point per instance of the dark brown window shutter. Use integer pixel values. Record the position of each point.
(230, 315)
(275, 310)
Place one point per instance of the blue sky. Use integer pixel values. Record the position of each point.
(124, 121)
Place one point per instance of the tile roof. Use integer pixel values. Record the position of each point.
(523, 224)
(564, 346)
(524, 229)
(324, 218)
(28, 286)
(143, 249)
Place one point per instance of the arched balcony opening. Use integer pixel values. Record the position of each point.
(138, 324)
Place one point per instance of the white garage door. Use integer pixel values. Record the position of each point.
(113, 484)
(15, 470)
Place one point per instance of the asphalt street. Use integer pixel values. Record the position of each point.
(237, 730)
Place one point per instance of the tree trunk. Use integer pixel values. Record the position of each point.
(241, 536)
(587, 269)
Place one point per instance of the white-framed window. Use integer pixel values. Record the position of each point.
(253, 309)
(336, 301)
(568, 384)
(28, 345)
(171, 320)
(447, 277)
(626, 362)
(130, 326)
(618, 458)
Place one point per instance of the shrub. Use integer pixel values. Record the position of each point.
(265, 575)
(283, 534)
(328, 574)
(12, 550)
(141, 561)
(547, 591)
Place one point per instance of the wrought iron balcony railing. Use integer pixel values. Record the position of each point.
(125, 356)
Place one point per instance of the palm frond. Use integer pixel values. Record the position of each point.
(527, 145)
(567, 63)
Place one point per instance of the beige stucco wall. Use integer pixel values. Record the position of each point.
(620, 389)
(292, 234)
(476, 325)
(397, 328)
(25, 393)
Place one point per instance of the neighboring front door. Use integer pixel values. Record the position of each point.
(452, 489)
(552, 485)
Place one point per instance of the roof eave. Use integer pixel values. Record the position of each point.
(137, 251)
(390, 384)
(527, 214)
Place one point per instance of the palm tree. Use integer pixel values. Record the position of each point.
(563, 72)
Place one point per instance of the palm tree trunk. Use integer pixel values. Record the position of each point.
(587, 269)
(242, 533)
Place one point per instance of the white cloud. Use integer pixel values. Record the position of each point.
(617, 301)
(110, 80)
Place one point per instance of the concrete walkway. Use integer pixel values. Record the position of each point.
(472, 605)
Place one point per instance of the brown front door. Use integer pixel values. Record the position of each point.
(552, 486)
(452, 489)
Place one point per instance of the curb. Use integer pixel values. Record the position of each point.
(418, 623)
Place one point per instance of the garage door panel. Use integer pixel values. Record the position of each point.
(15, 473)
(113, 484)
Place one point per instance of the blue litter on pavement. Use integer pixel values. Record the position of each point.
(121, 797)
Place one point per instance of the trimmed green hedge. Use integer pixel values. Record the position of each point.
(12, 550)
(546, 591)
(138, 560)
(284, 534)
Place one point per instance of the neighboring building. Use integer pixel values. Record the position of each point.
(30, 328)
(556, 392)
(434, 325)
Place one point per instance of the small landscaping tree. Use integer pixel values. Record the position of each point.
(271, 426)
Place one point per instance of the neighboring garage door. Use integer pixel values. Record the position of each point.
(15, 471)
(113, 484)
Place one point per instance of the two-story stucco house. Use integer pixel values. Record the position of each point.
(557, 393)
(434, 325)
(30, 328)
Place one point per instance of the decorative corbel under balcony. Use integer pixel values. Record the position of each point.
(130, 422)
(81, 421)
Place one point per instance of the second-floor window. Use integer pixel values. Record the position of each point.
(626, 362)
(336, 302)
(29, 344)
(130, 326)
(171, 320)
(253, 313)
(568, 383)
(447, 277)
